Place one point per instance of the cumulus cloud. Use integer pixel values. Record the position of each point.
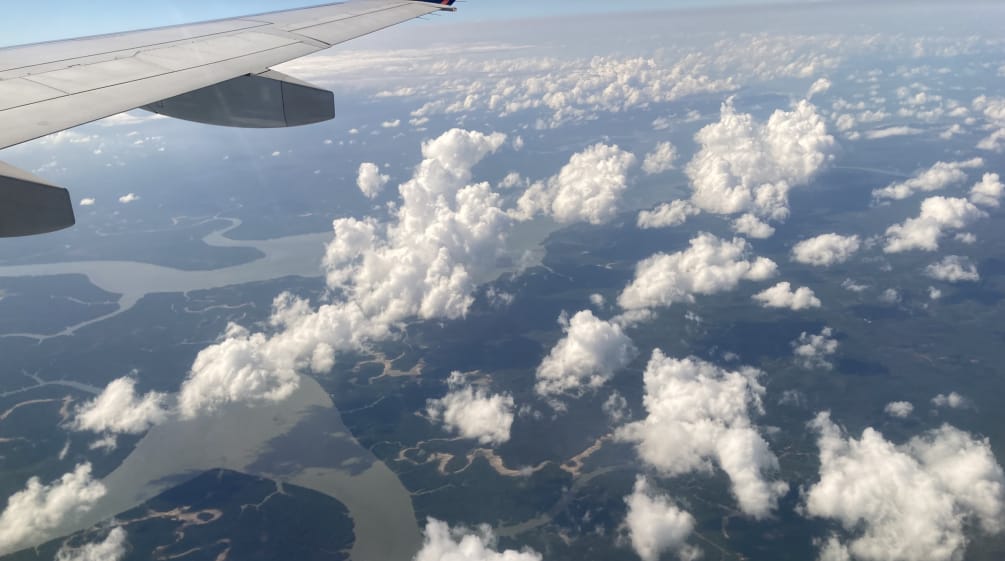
(937, 177)
(370, 181)
(700, 415)
(993, 109)
(812, 351)
(745, 167)
(994, 142)
(899, 409)
(782, 296)
(472, 412)
(441, 543)
(826, 250)
(938, 214)
(424, 263)
(656, 526)
(667, 215)
(953, 268)
(907, 502)
(988, 192)
(113, 548)
(588, 189)
(750, 225)
(33, 514)
(243, 367)
(952, 400)
(88, 201)
(661, 159)
(709, 266)
(822, 85)
(589, 354)
(118, 410)
(129, 198)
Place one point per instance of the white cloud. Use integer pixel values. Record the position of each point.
(744, 167)
(242, 367)
(899, 409)
(708, 266)
(441, 543)
(938, 214)
(588, 189)
(616, 408)
(698, 414)
(472, 412)
(994, 142)
(953, 268)
(87, 201)
(993, 109)
(782, 296)
(826, 250)
(822, 85)
(112, 548)
(890, 296)
(425, 263)
(667, 215)
(589, 354)
(33, 514)
(370, 181)
(656, 526)
(391, 124)
(939, 176)
(988, 192)
(907, 502)
(118, 410)
(661, 159)
(750, 225)
(890, 132)
(512, 179)
(812, 351)
(953, 401)
(129, 198)
(852, 286)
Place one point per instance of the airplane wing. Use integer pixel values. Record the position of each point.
(216, 72)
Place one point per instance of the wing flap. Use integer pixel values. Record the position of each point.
(216, 49)
(17, 92)
(29, 205)
(269, 100)
(43, 57)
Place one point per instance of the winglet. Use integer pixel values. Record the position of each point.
(446, 5)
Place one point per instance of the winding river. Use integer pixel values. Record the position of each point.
(301, 440)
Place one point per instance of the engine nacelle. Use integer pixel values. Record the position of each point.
(267, 100)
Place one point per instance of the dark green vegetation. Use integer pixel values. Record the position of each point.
(226, 515)
(910, 350)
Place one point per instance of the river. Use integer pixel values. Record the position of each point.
(301, 440)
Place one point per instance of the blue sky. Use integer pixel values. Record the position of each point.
(43, 20)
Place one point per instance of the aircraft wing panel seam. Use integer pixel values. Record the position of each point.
(327, 21)
(112, 54)
(166, 73)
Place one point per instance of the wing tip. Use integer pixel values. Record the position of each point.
(446, 5)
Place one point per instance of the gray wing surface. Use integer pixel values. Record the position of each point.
(215, 72)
